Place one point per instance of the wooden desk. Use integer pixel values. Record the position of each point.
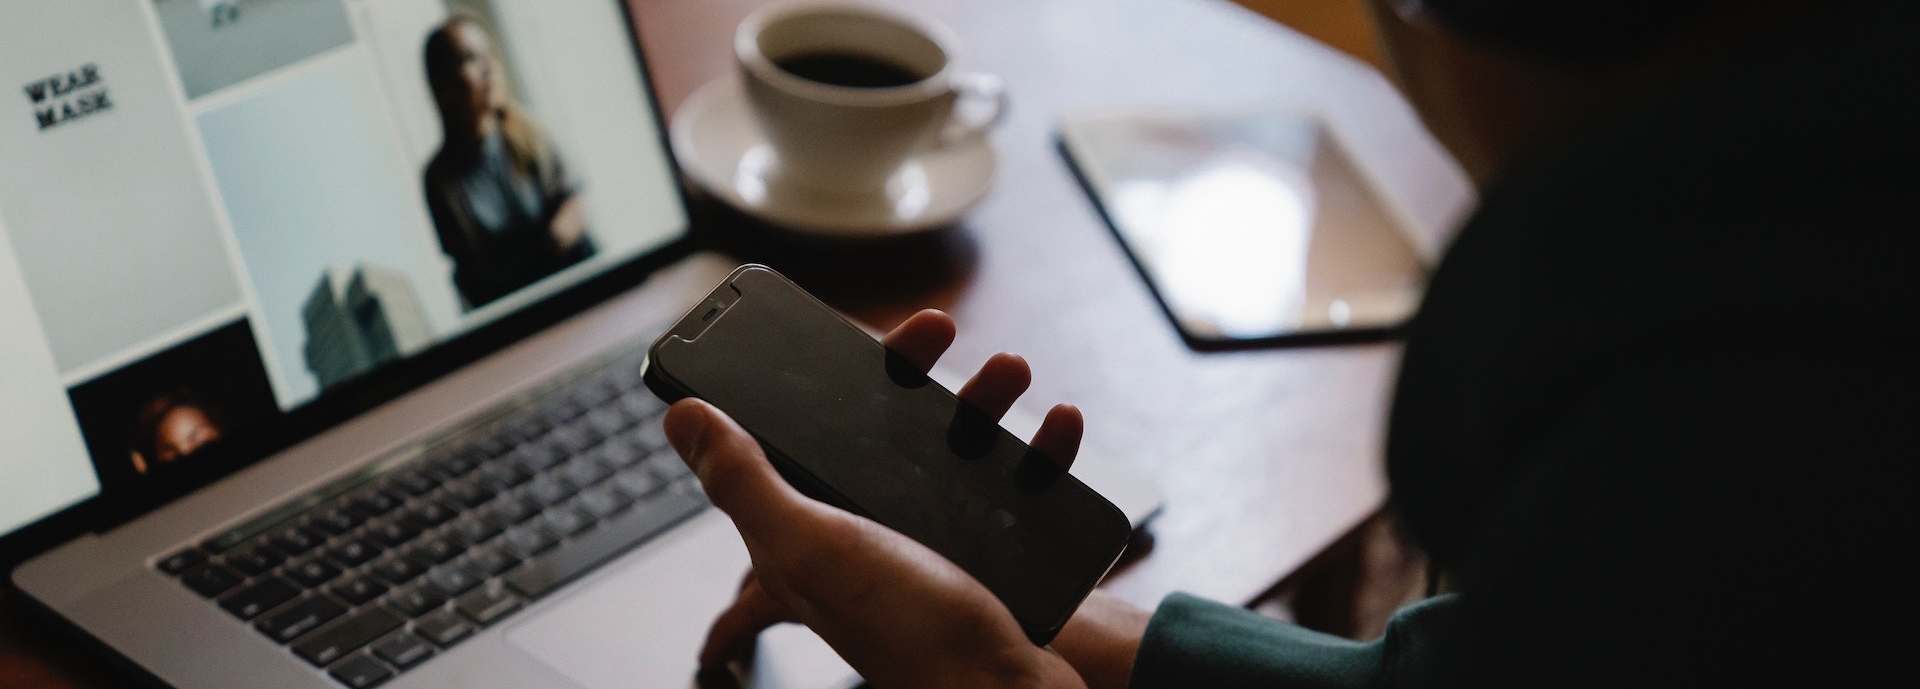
(1267, 457)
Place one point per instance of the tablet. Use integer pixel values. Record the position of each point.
(1251, 229)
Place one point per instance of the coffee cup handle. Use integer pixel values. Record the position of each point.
(980, 105)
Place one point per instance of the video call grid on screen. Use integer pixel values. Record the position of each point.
(217, 209)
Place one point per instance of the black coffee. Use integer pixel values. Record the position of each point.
(848, 69)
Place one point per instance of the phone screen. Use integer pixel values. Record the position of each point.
(868, 432)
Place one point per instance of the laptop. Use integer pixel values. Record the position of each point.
(319, 367)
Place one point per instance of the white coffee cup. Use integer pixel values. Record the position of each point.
(833, 136)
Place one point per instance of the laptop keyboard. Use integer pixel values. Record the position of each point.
(377, 572)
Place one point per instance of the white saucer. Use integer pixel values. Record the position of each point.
(721, 148)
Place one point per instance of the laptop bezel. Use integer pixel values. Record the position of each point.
(113, 506)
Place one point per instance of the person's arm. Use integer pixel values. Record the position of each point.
(1194, 642)
(563, 191)
(569, 226)
(448, 228)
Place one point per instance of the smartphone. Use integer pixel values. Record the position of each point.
(855, 426)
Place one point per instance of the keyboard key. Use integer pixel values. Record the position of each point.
(566, 521)
(604, 501)
(573, 439)
(444, 628)
(615, 536)
(360, 672)
(357, 589)
(434, 471)
(585, 471)
(340, 638)
(539, 457)
(453, 580)
(625, 375)
(354, 553)
(550, 490)
(413, 482)
(312, 573)
(526, 427)
(296, 540)
(460, 462)
(393, 533)
(530, 540)
(469, 493)
(595, 393)
(637, 483)
(491, 444)
(618, 454)
(416, 601)
(492, 560)
(305, 615)
(477, 529)
(431, 513)
(253, 559)
(403, 649)
(648, 436)
(668, 466)
(263, 595)
(641, 404)
(434, 550)
(179, 562)
(505, 475)
(512, 509)
(374, 502)
(562, 410)
(608, 422)
(488, 603)
(337, 520)
(210, 579)
(396, 570)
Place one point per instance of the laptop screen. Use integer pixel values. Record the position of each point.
(217, 212)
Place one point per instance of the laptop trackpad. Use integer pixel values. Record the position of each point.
(641, 622)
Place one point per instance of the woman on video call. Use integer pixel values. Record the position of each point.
(504, 206)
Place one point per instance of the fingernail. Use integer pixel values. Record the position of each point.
(685, 423)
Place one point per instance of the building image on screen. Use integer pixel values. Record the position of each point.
(360, 320)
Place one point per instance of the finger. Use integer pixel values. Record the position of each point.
(997, 385)
(737, 627)
(1059, 435)
(922, 338)
(733, 469)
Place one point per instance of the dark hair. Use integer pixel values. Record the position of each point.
(442, 61)
(1580, 32)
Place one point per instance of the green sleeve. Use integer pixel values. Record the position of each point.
(1193, 642)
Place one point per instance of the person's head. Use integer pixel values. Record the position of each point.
(170, 426)
(1495, 78)
(465, 75)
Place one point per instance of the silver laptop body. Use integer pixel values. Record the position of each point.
(269, 280)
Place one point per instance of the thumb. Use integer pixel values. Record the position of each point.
(732, 468)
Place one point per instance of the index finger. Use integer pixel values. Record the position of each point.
(922, 338)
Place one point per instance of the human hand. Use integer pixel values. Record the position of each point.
(1101, 640)
(569, 226)
(899, 613)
